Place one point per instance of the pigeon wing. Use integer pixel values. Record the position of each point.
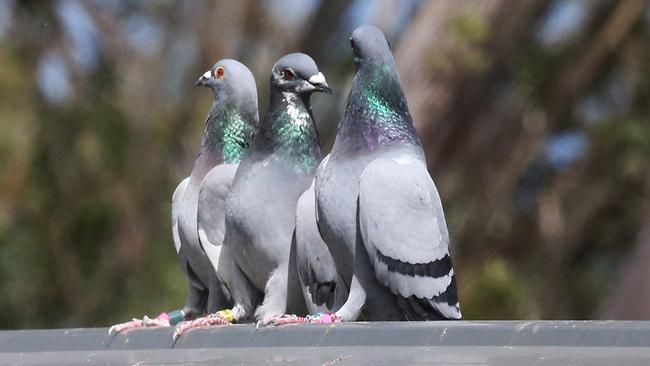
(212, 209)
(315, 263)
(176, 199)
(403, 229)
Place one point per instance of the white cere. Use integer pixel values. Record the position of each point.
(317, 78)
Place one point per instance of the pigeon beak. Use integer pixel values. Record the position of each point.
(319, 83)
(204, 78)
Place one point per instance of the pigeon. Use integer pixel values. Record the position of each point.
(261, 205)
(378, 209)
(323, 289)
(198, 203)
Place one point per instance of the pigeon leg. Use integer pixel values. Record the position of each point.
(281, 319)
(222, 317)
(323, 318)
(352, 306)
(285, 319)
(364, 282)
(195, 303)
(273, 308)
(351, 310)
(216, 297)
(162, 320)
(244, 297)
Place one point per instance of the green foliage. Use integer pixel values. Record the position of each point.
(497, 290)
(85, 184)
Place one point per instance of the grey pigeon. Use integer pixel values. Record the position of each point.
(323, 289)
(280, 165)
(261, 206)
(378, 209)
(198, 203)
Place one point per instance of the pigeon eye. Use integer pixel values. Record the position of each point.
(352, 44)
(219, 73)
(288, 74)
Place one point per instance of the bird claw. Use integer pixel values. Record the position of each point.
(145, 322)
(117, 328)
(210, 320)
(282, 319)
(323, 318)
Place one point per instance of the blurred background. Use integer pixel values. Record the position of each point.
(534, 116)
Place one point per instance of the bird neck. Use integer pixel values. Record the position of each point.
(289, 131)
(226, 137)
(376, 113)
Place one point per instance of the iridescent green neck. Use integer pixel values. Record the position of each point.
(291, 133)
(376, 113)
(382, 96)
(227, 134)
(235, 135)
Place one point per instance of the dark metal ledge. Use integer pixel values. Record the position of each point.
(380, 343)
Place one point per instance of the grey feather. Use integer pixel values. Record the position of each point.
(261, 206)
(231, 122)
(323, 288)
(211, 216)
(176, 197)
(403, 229)
(378, 209)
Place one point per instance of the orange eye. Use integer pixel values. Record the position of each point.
(218, 73)
(288, 74)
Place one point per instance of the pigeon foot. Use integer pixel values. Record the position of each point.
(323, 318)
(161, 320)
(281, 319)
(219, 318)
(284, 319)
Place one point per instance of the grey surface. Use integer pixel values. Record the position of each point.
(436, 343)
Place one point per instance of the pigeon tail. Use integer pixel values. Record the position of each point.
(442, 307)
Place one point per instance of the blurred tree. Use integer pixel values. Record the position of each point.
(493, 99)
(534, 117)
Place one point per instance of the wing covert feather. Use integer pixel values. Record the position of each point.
(176, 199)
(403, 229)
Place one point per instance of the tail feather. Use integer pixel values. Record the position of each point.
(323, 293)
(442, 307)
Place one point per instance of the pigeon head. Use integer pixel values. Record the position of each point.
(233, 118)
(370, 45)
(297, 73)
(230, 79)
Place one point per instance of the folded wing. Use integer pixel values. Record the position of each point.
(316, 266)
(212, 209)
(176, 199)
(403, 228)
